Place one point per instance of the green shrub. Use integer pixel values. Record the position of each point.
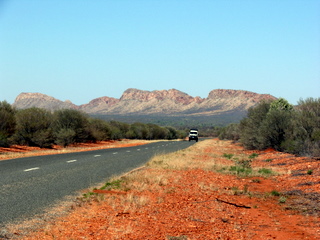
(3, 140)
(249, 127)
(228, 155)
(275, 193)
(282, 199)
(65, 137)
(273, 129)
(265, 125)
(253, 155)
(99, 129)
(116, 184)
(33, 127)
(305, 132)
(278, 125)
(7, 123)
(71, 125)
(230, 132)
(265, 171)
(240, 170)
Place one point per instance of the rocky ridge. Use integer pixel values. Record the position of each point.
(28, 100)
(168, 102)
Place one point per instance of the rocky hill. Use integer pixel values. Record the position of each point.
(28, 100)
(167, 102)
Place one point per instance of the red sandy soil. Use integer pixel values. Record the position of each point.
(203, 204)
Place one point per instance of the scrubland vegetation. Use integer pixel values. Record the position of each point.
(270, 124)
(39, 127)
(281, 126)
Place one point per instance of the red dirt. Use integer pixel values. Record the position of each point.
(202, 204)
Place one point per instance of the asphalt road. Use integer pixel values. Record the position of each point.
(30, 185)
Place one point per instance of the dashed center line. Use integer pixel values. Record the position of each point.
(31, 169)
(71, 161)
(74, 160)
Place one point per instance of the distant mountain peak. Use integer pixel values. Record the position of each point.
(160, 95)
(28, 100)
(141, 102)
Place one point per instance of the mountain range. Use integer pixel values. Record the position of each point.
(165, 103)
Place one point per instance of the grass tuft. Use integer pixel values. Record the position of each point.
(309, 172)
(253, 156)
(228, 155)
(275, 193)
(265, 171)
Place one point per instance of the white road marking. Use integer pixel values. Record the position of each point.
(128, 151)
(115, 153)
(71, 161)
(97, 155)
(138, 149)
(31, 169)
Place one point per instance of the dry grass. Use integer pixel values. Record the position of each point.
(164, 194)
(190, 158)
(194, 157)
(156, 180)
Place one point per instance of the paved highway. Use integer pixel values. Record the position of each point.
(30, 185)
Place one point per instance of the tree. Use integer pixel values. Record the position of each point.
(250, 126)
(303, 137)
(118, 129)
(266, 125)
(33, 127)
(72, 125)
(138, 131)
(281, 105)
(157, 132)
(100, 129)
(274, 127)
(172, 133)
(230, 132)
(7, 123)
(65, 137)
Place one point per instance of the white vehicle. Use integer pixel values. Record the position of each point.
(193, 135)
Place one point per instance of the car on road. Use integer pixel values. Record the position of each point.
(193, 135)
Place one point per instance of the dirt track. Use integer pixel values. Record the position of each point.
(193, 194)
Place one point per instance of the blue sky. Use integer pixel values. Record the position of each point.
(84, 49)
